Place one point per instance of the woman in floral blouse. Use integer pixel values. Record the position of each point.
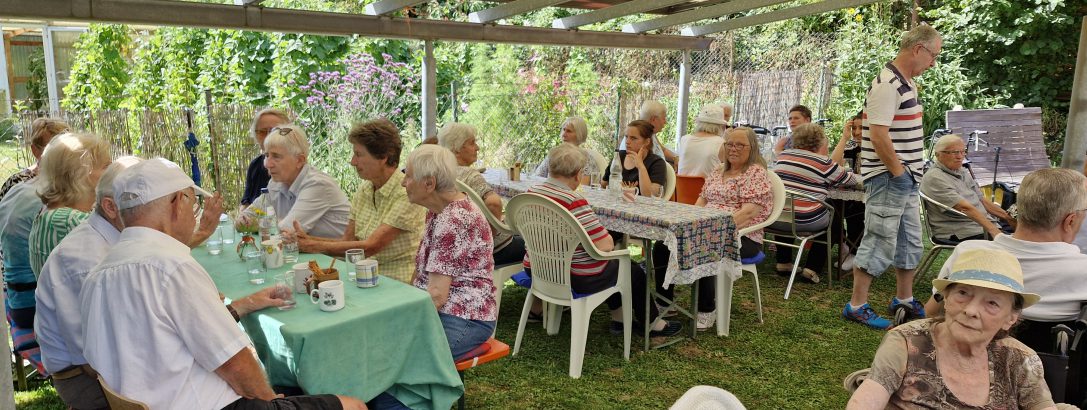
(741, 187)
(454, 262)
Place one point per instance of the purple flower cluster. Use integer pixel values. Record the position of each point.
(363, 86)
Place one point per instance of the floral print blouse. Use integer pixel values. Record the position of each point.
(750, 187)
(457, 242)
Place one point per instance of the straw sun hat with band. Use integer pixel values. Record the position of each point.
(992, 269)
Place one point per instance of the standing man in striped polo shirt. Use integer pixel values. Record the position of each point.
(891, 161)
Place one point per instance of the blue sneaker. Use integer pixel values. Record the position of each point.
(866, 316)
(917, 308)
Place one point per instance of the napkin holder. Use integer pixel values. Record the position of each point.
(315, 279)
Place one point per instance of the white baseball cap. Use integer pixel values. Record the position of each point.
(150, 180)
(712, 114)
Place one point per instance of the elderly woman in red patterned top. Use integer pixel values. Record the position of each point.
(454, 262)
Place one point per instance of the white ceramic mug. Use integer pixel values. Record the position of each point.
(273, 253)
(366, 273)
(301, 272)
(328, 295)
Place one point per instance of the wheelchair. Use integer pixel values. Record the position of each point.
(1063, 358)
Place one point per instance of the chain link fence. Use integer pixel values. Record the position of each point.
(517, 121)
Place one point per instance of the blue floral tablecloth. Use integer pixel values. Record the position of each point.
(702, 240)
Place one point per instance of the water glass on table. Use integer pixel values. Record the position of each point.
(353, 256)
(283, 284)
(594, 179)
(290, 246)
(226, 225)
(254, 262)
(215, 241)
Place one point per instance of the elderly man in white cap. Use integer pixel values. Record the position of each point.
(161, 334)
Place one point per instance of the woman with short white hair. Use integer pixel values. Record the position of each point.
(576, 131)
(460, 139)
(298, 191)
(454, 261)
(256, 176)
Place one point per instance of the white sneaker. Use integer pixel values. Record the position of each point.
(847, 264)
(706, 320)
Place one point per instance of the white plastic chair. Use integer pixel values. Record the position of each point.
(707, 398)
(669, 182)
(938, 245)
(501, 274)
(788, 214)
(551, 235)
(724, 303)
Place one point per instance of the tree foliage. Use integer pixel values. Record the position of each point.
(100, 72)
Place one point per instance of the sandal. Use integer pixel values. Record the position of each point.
(808, 275)
(784, 269)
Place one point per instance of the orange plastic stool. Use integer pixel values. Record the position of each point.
(490, 350)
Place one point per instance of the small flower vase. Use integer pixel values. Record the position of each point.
(247, 244)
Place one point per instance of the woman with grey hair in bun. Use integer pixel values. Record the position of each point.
(460, 139)
(454, 261)
(42, 130)
(298, 191)
(576, 131)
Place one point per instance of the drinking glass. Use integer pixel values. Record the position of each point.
(255, 264)
(290, 252)
(215, 241)
(352, 256)
(283, 283)
(594, 179)
(227, 227)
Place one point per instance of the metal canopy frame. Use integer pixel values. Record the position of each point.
(377, 22)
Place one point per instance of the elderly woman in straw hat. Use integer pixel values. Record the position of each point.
(964, 359)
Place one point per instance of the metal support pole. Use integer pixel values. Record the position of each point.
(1075, 137)
(213, 165)
(430, 92)
(453, 100)
(50, 71)
(5, 105)
(684, 96)
(618, 115)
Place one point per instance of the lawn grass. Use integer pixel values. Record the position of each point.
(10, 156)
(795, 360)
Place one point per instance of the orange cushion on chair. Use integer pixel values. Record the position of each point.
(492, 349)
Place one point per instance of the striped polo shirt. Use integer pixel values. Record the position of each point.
(892, 101)
(49, 228)
(581, 264)
(813, 174)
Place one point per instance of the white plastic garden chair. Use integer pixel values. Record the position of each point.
(551, 235)
(724, 281)
(669, 182)
(501, 274)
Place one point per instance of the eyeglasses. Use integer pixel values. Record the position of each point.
(935, 56)
(263, 131)
(281, 131)
(959, 152)
(735, 145)
(198, 203)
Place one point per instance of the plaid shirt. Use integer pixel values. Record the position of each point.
(389, 206)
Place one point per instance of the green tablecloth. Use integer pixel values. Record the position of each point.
(386, 338)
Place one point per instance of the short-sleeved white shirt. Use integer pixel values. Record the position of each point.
(1054, 270)
(154, 327)
(57, 322)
